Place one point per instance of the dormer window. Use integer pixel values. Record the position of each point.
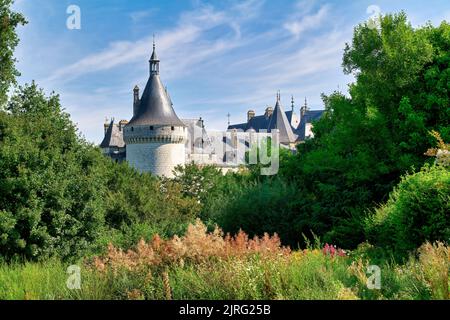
(151, 128)
(132, 129)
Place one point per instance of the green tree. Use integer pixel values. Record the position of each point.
(9, 21)
(51, 181)
(367, 141)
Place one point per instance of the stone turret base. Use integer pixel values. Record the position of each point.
(158, 158)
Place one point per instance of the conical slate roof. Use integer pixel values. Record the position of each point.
(279, 121)
(155, 106)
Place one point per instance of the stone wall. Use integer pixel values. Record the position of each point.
(159, 158)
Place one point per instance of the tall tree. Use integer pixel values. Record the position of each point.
(367, 141)
(9, 21)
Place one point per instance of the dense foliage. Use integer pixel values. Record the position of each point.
(9, 21)
(368, 140)
(417, 210)
(51, 183)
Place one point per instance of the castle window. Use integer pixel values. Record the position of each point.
(151, 128)
(173, 128)
(132, 129)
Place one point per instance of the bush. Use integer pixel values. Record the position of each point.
(51, 181)
(417, 211)
(269, 206)
(140, 198)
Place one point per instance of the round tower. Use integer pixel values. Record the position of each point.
(155, 137)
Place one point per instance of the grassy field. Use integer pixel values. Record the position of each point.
(204, 265)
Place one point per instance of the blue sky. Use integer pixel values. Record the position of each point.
(217, 57)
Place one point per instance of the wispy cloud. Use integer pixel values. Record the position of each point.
(138, 16)
(175, 43)
(301, 22)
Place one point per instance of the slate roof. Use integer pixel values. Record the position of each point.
(283, 123)
(289, 115)
(256, 123)
(155, 105)
(113, 137)
(279, 121)
(309, 117)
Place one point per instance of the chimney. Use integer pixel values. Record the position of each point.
(269, 111)
(122, 124)
(250, 115)
(135, 100)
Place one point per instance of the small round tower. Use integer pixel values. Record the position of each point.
(155, 137)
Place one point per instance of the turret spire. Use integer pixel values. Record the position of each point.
(154, 61)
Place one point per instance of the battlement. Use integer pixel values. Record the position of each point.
(149, 134)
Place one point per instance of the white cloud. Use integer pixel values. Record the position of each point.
(137, 16)
(181, 46)
(301, 24)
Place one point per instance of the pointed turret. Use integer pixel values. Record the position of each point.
(155, 105)
(279, 121)
(155, 137)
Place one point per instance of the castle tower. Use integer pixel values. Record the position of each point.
(155, 136)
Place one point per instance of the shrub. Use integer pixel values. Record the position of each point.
(140, 198)
(416, 212)
(269, 206)
(51, 181)
(196, 246)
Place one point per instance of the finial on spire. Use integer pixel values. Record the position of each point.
(154, 61)
(228, 115)
(292, 103)
(278, 95)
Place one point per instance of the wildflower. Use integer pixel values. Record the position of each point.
(332, 250)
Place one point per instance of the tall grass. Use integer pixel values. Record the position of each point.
(202, 265)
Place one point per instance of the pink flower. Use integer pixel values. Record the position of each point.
(333, 251)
